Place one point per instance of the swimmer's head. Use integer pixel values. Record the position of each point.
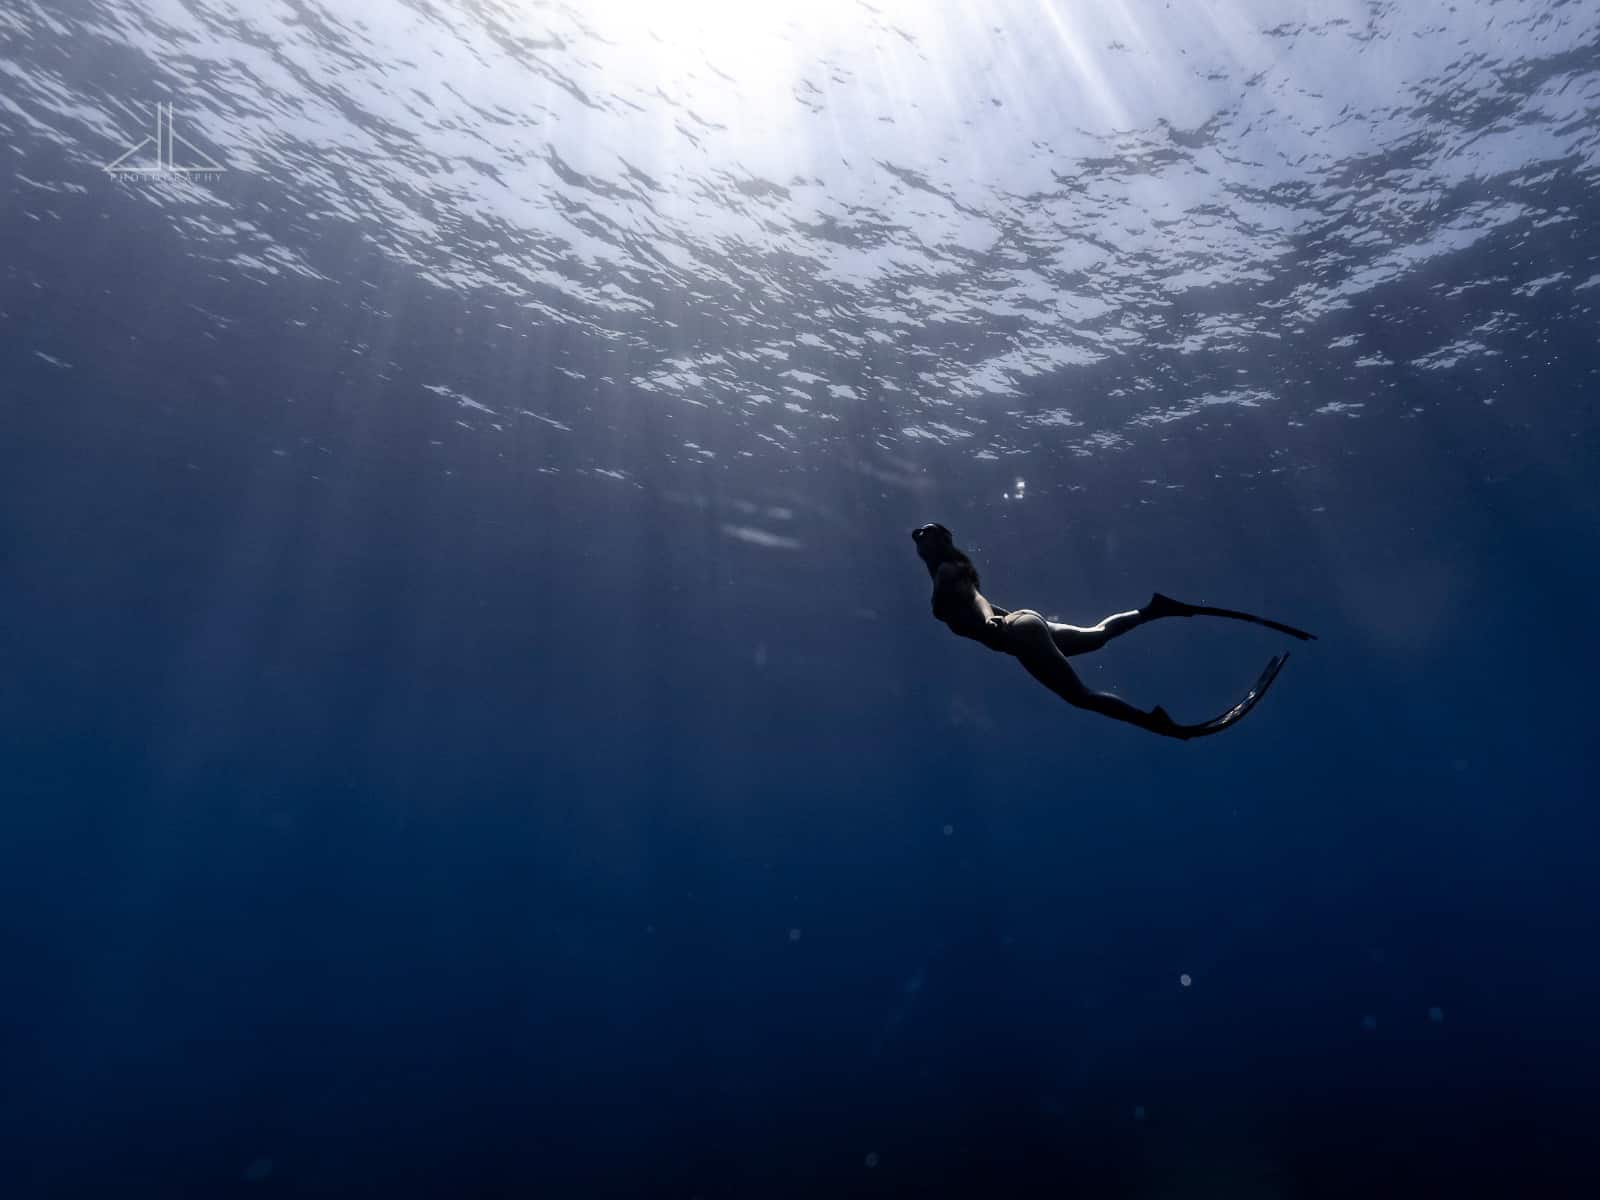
(934, 542)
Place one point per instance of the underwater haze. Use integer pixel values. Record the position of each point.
(471, 719)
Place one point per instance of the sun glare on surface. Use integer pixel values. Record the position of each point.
(738, 38)
(923, 69)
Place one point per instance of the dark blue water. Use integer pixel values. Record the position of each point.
(471, 721)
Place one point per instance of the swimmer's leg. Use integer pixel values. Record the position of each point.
(1033, 643)
(1075, 639)
(1078, 639)
(1064, 682)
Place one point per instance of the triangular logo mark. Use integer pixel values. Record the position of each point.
(164, 143)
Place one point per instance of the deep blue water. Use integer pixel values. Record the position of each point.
(471, 720)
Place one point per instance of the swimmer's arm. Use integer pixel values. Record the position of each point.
(950, 598)
(988, 612)
(944, 587)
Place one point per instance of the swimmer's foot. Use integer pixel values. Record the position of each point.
(1160, 722)
(1165, 606)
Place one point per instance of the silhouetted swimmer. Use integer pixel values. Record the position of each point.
(1043, 647)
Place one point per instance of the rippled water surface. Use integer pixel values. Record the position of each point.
(935, 220)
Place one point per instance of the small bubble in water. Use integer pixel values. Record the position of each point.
(258, 1170)
(794, 935)
(1184, 979)
(1436, 1014)
(872, 1159)
(949, 829)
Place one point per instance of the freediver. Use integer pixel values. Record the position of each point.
(1043, 647)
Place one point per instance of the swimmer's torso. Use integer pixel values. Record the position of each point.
(958, 603)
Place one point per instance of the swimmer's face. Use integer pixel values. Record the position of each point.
(933, 541)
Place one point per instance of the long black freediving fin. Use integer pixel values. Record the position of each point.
(1240, 710)
(1166, 606)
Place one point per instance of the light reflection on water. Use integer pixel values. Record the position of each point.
(943, 213)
